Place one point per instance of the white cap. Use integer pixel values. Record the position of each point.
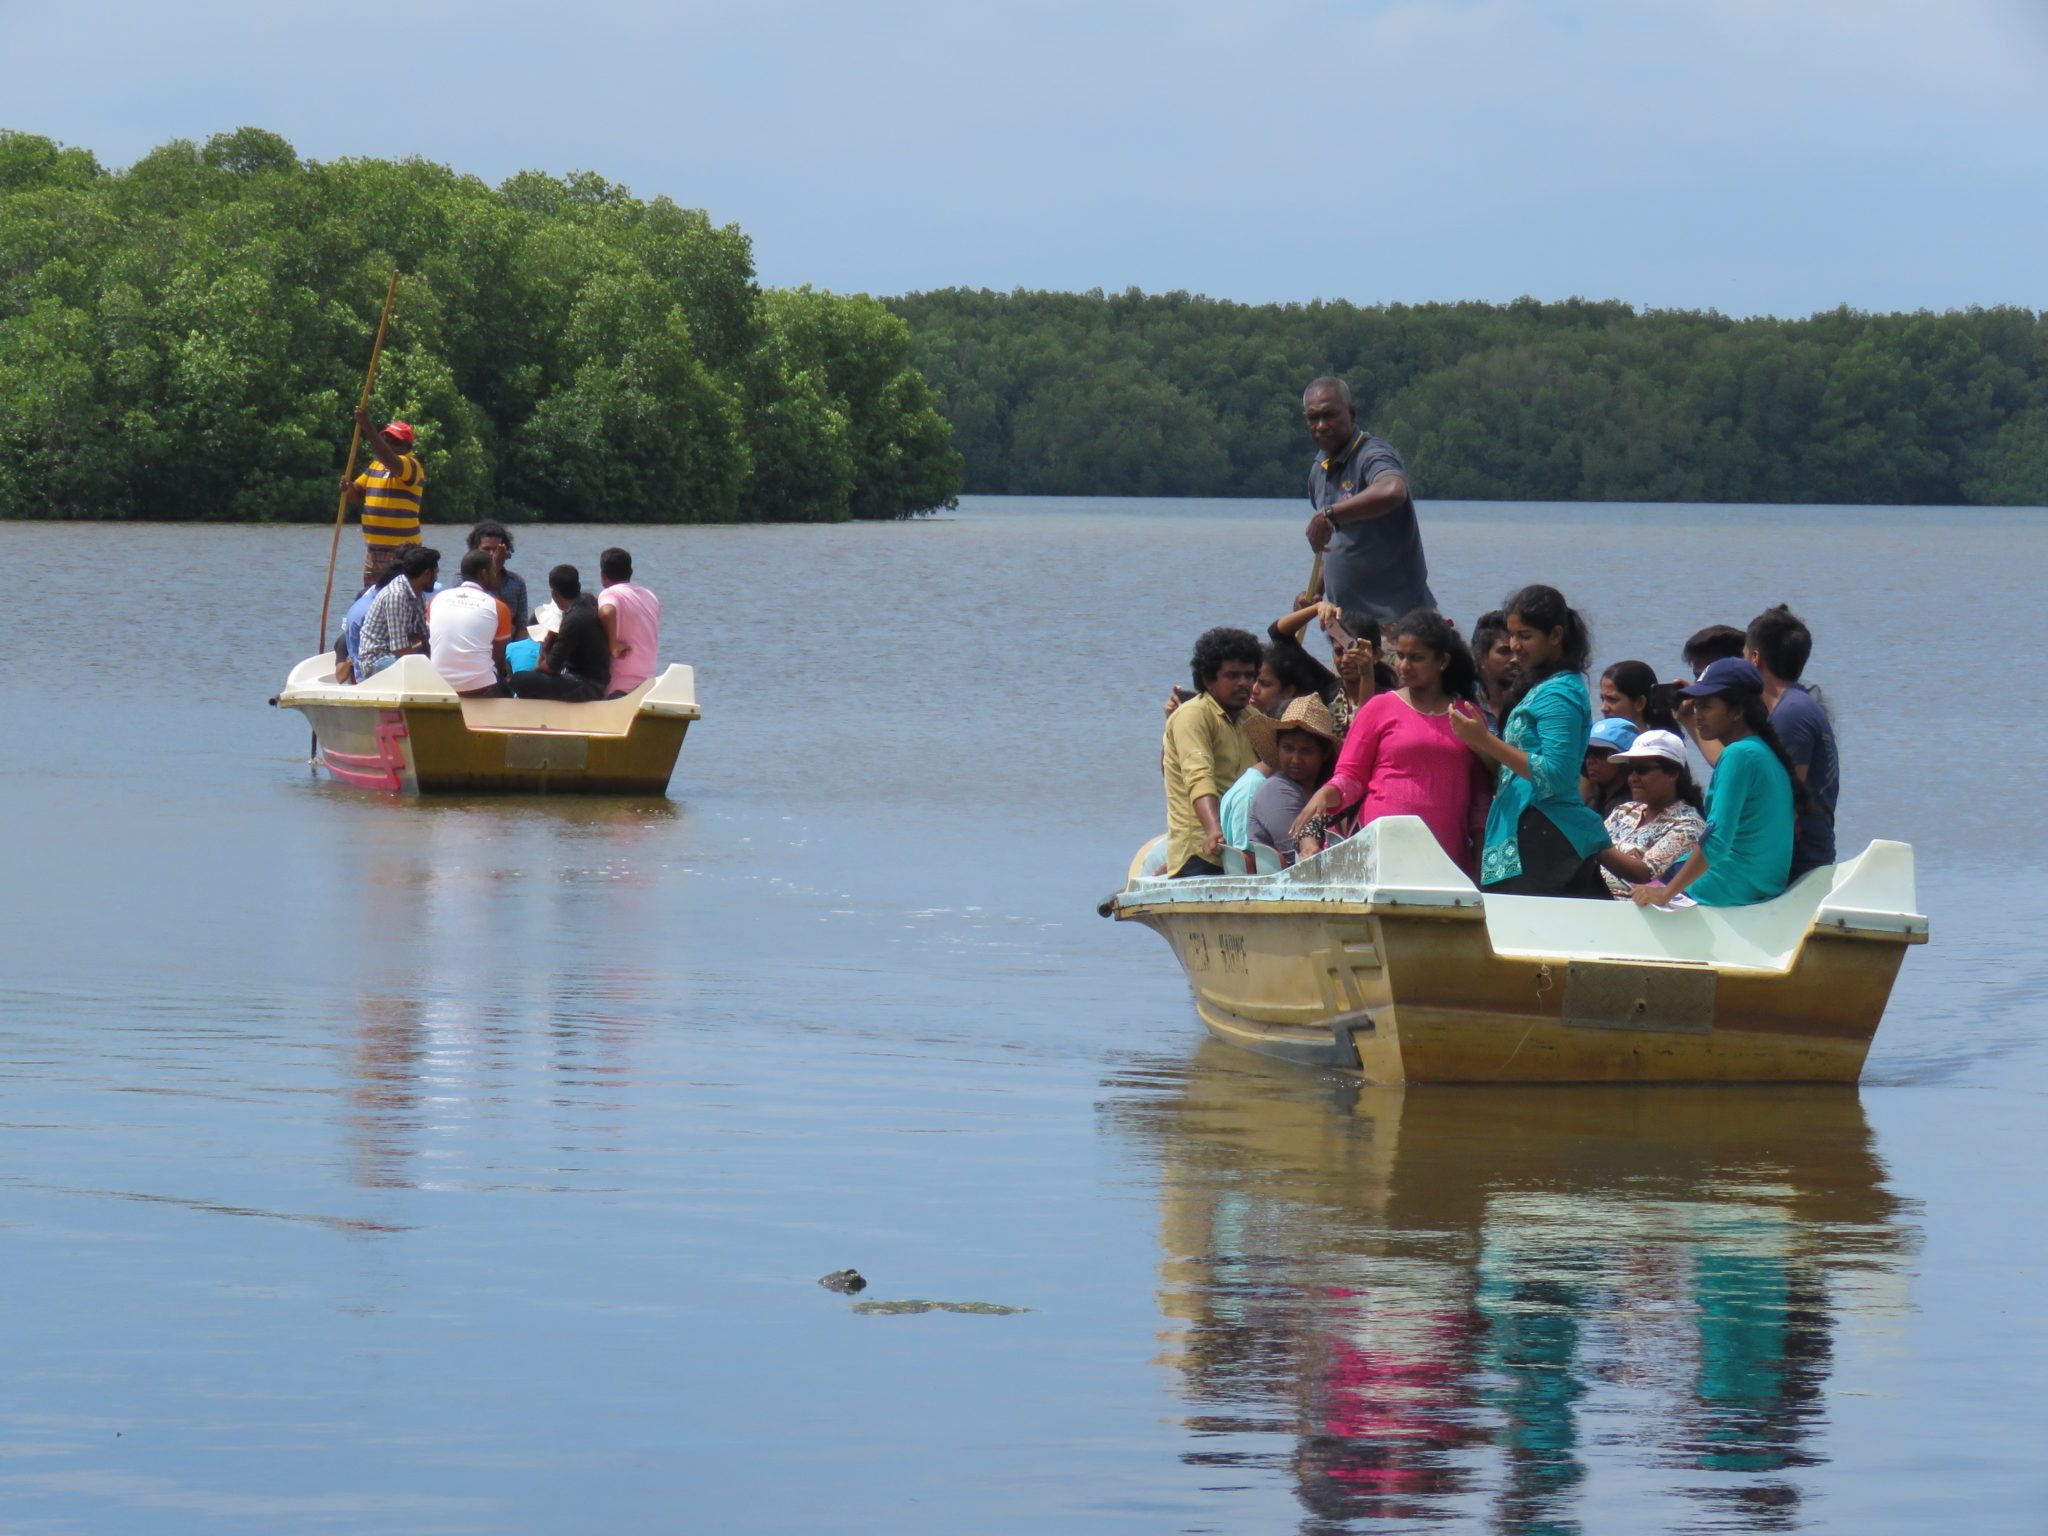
(1653, 746)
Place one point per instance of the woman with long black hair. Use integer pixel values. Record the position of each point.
(1629, 691)
(1746, 853)
(1541, 839)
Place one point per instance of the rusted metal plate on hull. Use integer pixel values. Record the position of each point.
(534, 751)
(1666, 998)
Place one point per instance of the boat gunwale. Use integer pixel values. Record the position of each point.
(1447, 894)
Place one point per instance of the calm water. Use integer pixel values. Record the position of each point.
(469, 1166)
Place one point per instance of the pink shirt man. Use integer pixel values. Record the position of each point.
(637, 615)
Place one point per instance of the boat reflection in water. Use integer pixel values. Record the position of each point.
(1459, 1302)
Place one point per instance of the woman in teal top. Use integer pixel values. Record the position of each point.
(1541, 840)
(1752, 803)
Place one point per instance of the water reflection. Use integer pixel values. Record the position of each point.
(479, 923)
(1449, 1303)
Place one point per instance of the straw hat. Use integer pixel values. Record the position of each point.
(1306, 713)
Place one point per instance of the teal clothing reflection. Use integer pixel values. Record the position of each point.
(1455, 1304)
(1532, 1347)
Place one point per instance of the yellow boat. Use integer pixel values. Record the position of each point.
(1380, 957)
(405, 731)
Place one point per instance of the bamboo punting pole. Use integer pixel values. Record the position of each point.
(355, 442)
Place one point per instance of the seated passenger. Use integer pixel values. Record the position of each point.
(1205, 749)
(1540, 837)
(348, 650)
(522, 653)
(1401, 757)
(1495, 660)
(1300, 745)
(467, 628)
(1354, 652)
(1660, 823)
(1234, 810)
(1602, 785)
(1629, 691)
(576, 660)
(1717, 642)
(1281, 682)
(1779, 645)
(1745, 854)
(495, 540)
(632, 619)
(396, 623)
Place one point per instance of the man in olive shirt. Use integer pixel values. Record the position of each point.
(1206, 749)
(1364, 525)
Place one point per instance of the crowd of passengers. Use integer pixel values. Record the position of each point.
(480, 635)
(1497, 747)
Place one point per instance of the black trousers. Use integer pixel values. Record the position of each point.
(1196, 867)
(1550, 865)
(565, 686)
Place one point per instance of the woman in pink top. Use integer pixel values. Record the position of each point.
(632, 618)
(1400, 757)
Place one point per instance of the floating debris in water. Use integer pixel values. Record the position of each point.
(847, 1282)
(901, 1308)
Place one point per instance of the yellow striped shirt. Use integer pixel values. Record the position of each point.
(391, 503)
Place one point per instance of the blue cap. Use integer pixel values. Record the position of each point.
(1615, 735)
(1731, 674)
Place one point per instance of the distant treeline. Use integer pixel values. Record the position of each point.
(1172, 395)
(185, 339)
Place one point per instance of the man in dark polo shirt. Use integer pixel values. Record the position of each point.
(576, 660)
(1364, 525)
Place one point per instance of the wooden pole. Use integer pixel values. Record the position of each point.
(355, 442)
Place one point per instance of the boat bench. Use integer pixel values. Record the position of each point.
(602, 717)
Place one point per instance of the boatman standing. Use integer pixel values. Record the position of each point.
(1364, 524)
(390, 491)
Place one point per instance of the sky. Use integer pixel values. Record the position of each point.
(1752, 156)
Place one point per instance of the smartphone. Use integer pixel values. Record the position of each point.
(1665, 697)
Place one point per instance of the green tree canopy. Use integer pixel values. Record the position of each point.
(1168, 394)
(184, 339)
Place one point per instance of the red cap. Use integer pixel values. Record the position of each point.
(399, 432)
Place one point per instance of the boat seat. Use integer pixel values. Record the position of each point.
(603, 717)
(1257, 859)
(1872, 892)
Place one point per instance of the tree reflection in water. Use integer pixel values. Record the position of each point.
(1466, 1303)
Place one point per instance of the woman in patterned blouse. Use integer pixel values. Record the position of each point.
(1660, 824)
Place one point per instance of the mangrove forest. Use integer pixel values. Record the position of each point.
(185, 340)
(1175, 395)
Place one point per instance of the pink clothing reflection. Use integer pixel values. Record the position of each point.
(639, 612)
(1397, 762)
